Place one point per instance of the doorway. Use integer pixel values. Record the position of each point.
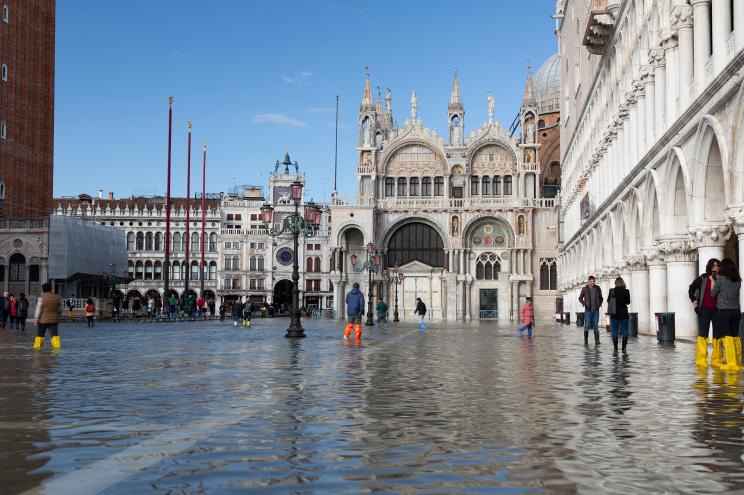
(489, 304)
(283, 296)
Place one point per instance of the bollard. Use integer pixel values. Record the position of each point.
(579, 318)
(567, 318)
(633, 324)
(665, 330)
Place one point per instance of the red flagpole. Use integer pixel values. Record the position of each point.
(166, 268)
(204, 193)
(188, 211)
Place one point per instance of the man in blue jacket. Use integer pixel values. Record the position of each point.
(354, 312)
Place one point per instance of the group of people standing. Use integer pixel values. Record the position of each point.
(715, 295)
(355, 313)
(14, 311)
(618, 300)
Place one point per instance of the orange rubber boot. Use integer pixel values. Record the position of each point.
(358, 332)
(347, 330)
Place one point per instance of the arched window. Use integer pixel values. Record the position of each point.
(138, 270)
(194, 270)
(212, 270)
(413, 189)
(317, 265)
(438, 186)
(130, 241)
(158, 241)
(158, 270)
(401, 186)
(487, 267)
(176, 242)
(148, 270)
(236, 262)
(17, 268)
(260, 263)
(140, 241)
(485, 185)
(309, 265)
(497, 185)
(213, 242)
(548, 274)
(389, 187)
(474, 182)
(416, 241)
(426, 186)
(195, 242)
(228, 263)
(252, 263)
(130, 269)
(507, 185)
(148, 241)
(184, 240)
(176, 271)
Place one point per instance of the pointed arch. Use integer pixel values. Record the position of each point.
(713, 181)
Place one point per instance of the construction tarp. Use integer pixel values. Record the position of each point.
(81, 246)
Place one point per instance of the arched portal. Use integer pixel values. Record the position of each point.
(283, 294)
(416, 241)
(17, 278)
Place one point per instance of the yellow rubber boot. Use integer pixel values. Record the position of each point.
(737, 347)
(701, 352)
(248, 323)
(37, 342)
(56, 344)
(730, 350)
(716, 356)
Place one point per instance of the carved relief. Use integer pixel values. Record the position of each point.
(492, 159)
(415, 158)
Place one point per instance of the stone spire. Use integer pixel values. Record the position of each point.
(455, 102)
(367, 103)
(388, 101)
(378, 107)
(529, 89)
(414, 106)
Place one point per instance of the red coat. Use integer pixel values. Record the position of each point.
(527, 314)
(13, 305)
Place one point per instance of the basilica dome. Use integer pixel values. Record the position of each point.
(548, 85)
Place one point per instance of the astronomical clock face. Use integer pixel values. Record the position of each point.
(493, 159)
(285, 256)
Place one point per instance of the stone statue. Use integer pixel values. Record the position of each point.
(491, 106)
(414, 106)
(530, 138)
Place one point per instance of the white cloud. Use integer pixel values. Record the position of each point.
(277, 118)
(321, 109)
(299, 78)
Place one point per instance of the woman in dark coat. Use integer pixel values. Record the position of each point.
(619, 320)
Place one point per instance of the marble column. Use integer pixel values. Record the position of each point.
(709, 239)
(739, 25)
(739, 232)
(639, 302)
(468, 303)
(672, 77)
(657, 285)
(660, 86)
(650, 117)
(701, 41)
(640, 121)
(721, 21)
(683, 21)
(681, 261)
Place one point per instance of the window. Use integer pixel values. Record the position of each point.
(6, 14)
(140, 241)
(309, 265)
(184, 241)
(317, 264)
(33, 273)
(176, 242)
(438, 186)
(130, 269)
(389, 186)
(548, 274)
(256, 284)
(401, 186)
(541, 124)
(158, 241)
(195, 242)
(148, 270)
(194, 270)
(497, 185)
(212, 270)
(260, 263)
(312, 285)
(148, 241)
(254, 217)
(130, 241)
(138, 270)
(3, 130)
(213, 242)
(507, 185)
(426, 186)
(485, 185)
(474, 185)
(252, 263)
(414, 187)
(237, 216)
(228, 263)
(260, 245)
(158, 270)
(487, 267)
(176, 271)
(229, 216)
(4, 72)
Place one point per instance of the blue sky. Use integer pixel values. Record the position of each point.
(257, 78)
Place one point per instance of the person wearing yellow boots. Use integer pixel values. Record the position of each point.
(726, 286)
(47, 317)
(705, 307)
(354, 312)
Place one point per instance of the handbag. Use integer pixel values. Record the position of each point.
(611, 303)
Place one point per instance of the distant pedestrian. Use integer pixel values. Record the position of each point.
(421, 311)
(619, 315)
(705, 307)
(21, 312)
(354, 312)
(47, 317)
(382, 310)
(70, 305)
(591, 298)
(90, 311)
(222, 312)
(527, 317)
(726, 286)
(12, 311)
(236, 311)
(247, 313)
(4, 309)
(211, 305)
(136, 307)
(200, 305)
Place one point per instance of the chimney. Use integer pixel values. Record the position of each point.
(111, 195)
(100, 194)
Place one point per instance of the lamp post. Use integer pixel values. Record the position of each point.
(372, 265)
(296, 225)
(396, 279)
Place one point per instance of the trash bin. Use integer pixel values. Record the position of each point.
(559, 317)
(633, 324)
(665, 330)
(567, 318)
(579, 318)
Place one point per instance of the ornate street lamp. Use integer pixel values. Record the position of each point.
(296, 225)
(372, 265)
(397, 279)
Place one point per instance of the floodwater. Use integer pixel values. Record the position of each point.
(466, 408)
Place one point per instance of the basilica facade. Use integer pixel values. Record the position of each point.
(468, 219)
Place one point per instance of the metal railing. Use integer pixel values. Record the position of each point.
(24, 224)
(324, 314)
(488, 314)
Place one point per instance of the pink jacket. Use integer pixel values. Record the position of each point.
(527, 314)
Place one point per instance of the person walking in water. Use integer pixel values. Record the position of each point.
(591, 298)
(619, 316)
(382, 309)
(527, 317)
(421, 311)
(22, 312)
(726, 286)
(705, 307)
(354, 312)
(47, 317)
(90, 312)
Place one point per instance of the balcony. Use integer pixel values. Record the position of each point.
(599, 24)
(476, 202)
(24, 224)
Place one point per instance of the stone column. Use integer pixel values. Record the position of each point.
(639, 302)
(681, 261)
(721, 32)
(657, 56)
(683, 21)
(468, 303)
(650, 106)
(657, 285)
(709, 240)
(701, 41)
(737, 215)
(739, 25)
(640, 123)
(672, 76)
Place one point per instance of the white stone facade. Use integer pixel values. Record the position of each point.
(653, 182)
